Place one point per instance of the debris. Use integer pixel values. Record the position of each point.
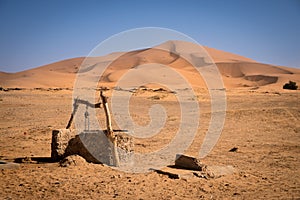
(204, 175)
(28, 160)
(169, 174)
(73, 160)
(218, 171)
(209, 172)
(8, 165)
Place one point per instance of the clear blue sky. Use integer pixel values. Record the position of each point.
(36, 32)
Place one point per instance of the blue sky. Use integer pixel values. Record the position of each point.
(36, 32)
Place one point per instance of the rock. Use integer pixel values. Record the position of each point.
(125, 141)
(234, 149)
(125, 147)
(188, 162)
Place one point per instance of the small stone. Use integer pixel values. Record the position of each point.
(234, 149)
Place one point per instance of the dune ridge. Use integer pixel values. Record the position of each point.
(237, 71)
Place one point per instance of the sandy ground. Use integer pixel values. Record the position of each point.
(262, 124)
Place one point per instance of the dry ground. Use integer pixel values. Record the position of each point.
(264, 126)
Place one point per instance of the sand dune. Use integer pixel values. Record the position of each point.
(250, 74)
(236, 71)
(239, 69)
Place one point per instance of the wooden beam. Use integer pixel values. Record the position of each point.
(110, 133)
(75, 108)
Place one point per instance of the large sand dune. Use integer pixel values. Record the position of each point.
(236, 71)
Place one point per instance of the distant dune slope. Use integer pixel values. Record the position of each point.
(236, 71)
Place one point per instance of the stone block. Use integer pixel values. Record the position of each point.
(60, 141)
(188, 162)
(93, 146)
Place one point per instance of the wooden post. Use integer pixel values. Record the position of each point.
(110, 133)
(75, 107)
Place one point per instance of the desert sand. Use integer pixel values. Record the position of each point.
(261, 124)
